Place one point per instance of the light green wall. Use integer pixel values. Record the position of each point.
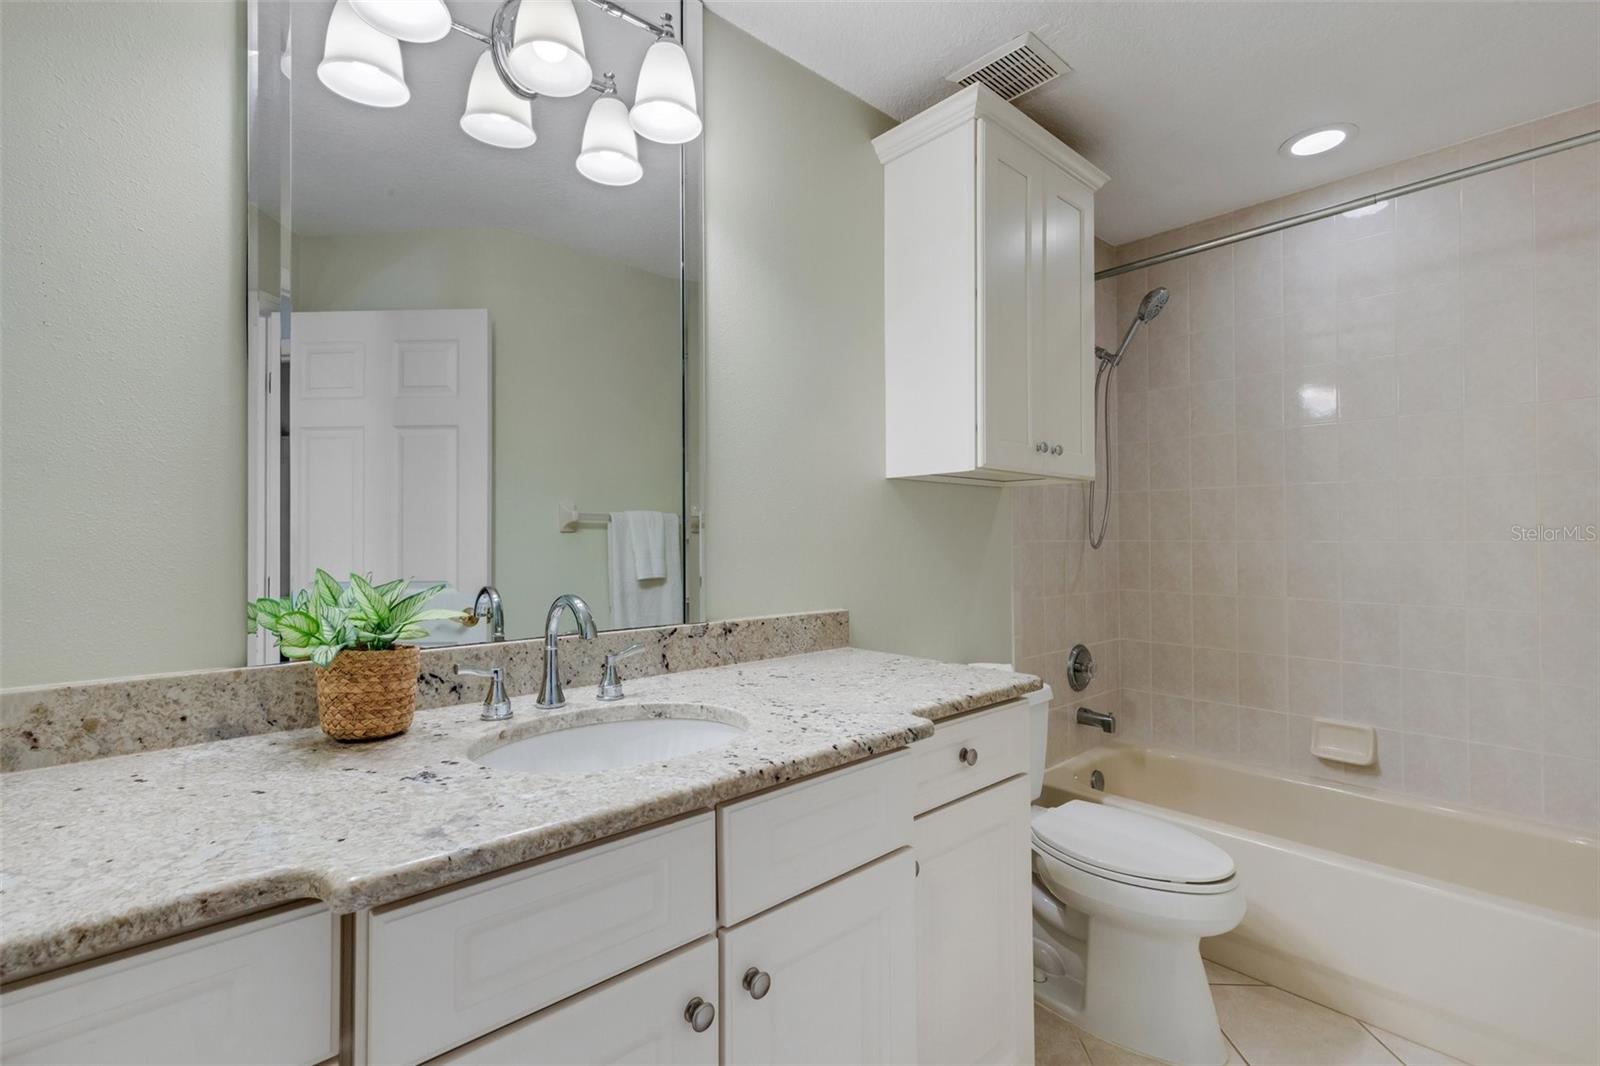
(586, 381)
(799, 513)
(122, 360)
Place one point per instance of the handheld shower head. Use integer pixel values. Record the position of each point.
(1149, 307)
(1152, 304)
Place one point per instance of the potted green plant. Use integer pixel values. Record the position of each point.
(366, 679)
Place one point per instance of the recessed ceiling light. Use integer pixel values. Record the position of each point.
(1318, 140)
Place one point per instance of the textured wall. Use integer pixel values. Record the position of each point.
(799, 514)
(587, 376)
(122, 299)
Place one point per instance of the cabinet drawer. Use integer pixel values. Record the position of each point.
(780, 843)
(638, 1017)
(262, 990)
(455, 965)
(836, 971)
(997, 745)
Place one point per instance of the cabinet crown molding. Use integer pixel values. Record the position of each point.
(975, 102)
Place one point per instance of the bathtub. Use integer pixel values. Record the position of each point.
(1470, 933)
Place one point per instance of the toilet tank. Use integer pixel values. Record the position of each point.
(1039, 731)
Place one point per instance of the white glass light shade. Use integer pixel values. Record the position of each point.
(610, 153)
(495, 115)
(361, 64)
(663, 107)
(547, 49)
(419, 21)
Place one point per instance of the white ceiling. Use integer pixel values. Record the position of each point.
(1185, 104)
(360, 169)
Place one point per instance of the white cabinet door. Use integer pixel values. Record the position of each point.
(1011, 178)
(1062, 401)
(841, 970)
(974, 930)
(1036, 246)
(641, 1016)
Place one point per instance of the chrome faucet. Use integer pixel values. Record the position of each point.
(610, 683)
(496, 705)
(496, 615)
(550, 694)
(1099, 719)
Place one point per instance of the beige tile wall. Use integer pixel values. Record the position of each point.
(1063, 593)
(1325, 448)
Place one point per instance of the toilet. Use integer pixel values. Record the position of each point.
(1120, 902)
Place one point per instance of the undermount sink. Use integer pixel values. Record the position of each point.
(651, 735)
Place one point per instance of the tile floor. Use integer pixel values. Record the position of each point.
(1264, 1026)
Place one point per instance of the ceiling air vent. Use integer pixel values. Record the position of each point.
(1019, 66)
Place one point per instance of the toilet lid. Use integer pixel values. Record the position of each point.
(1121, 841)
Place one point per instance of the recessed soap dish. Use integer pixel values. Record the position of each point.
(1346, 742)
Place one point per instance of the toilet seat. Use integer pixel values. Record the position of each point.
(1131, 848)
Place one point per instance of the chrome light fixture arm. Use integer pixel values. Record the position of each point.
(499, 41)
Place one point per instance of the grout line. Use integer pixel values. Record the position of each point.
(1235, 1047)
(1395, 1054)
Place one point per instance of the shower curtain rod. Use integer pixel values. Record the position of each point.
(1350, 205)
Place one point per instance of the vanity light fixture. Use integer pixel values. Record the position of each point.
(610, 153)
(547, 49)
(495, 115)
(1317, 140)
(418, 21)
(361, 63)
(664, 105)
(535, 48)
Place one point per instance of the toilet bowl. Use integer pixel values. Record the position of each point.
(1120, 902)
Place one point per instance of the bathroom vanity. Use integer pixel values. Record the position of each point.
(845, 880)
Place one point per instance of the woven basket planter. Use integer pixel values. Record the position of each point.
(367, 695)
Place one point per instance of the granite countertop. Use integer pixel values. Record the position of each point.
(102, 855)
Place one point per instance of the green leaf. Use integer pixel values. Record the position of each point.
(368, 598)
(407, 608)
(440, 614)
(294, 653)
(297, 629)
(323, 655)
(327, 589)
(389, 590)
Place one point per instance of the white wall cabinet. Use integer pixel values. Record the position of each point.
(988, 296)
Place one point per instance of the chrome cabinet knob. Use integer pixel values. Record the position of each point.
(1039, 446)
(1056, 450)
(757, 982)
(699, 1014)
(968, 756)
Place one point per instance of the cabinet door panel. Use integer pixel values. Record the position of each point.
(1062, 401)
(842, 975)
(635, 1018)
(452, 966)
(1009, 230)
(974, 930)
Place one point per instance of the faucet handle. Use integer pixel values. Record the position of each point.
(496, 705)
(610, 684)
